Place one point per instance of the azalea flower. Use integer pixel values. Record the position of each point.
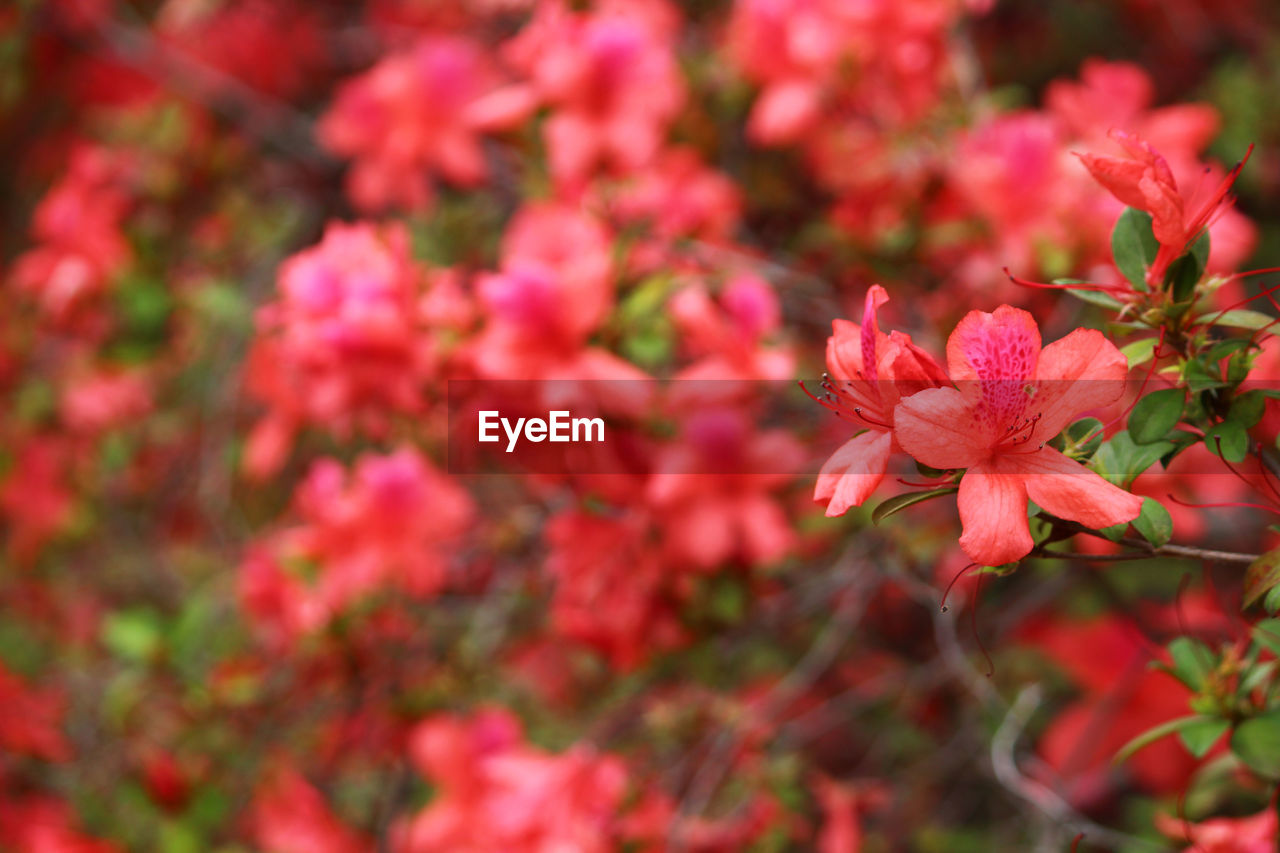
(1143, 180)
(868, 373)
(1010, 400)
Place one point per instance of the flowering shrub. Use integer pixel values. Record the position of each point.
(992, 569)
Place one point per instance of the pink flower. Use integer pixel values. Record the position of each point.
(417, 114)
(1012, 398)
(869, 373)
(290, 816)
(346, 345)
(394, 522)
(554, 290)
(611, 78)
(1143, 180)
(712, 490)
(611, 587)
(495, 792)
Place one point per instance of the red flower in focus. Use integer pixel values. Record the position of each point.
(869, 373)
(1012, 398)
(1143, 180)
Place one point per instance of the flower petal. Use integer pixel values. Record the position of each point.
(1077, 374)
(1069, 490)
(844, 350)
(937, 428)
(1000, 347)
(993, 513)
(853, 472)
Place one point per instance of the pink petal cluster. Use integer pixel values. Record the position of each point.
(610, 79)
(80, 246)
(1008, 400)
(419, 114)
(288, 815)
(496, 792)
(869, 373)
(392, 523)
(345, 345)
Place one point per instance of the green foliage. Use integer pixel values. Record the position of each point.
(1120, 459)
(1156, 414)
(1134, 246)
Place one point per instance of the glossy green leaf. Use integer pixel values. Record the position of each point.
(1200, 736)
(1238, 318)
(1152, 735)
(1121, 460)
(1192, 661)
(1154, 522)
(1139, 352)
(1134, 246)
(1228, 440)
(1156, 414)
(1248, 408)
(1256, 742)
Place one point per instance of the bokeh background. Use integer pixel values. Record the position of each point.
(246, 606)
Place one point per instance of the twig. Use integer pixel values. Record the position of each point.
(1052, 805)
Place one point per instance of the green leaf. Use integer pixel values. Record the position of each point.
(1152, 735)
(897, 503)
(1120, 460)
(1192, 662)
(1154, 522)
(1238, 318)
(1090, 428)
(1271, 603)
(1139, 352)
(1228, 440)
(1222, 349)
(1200, 377)
(134, 634)
(1093, 297)
(1257, 675)
(1257, 743)
(1182, 278)
(1267, 634)
(1199, 737)
(1156, 414)
(1262, 576)
(1248, 408)
(1200, 249)
(1134, 246)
